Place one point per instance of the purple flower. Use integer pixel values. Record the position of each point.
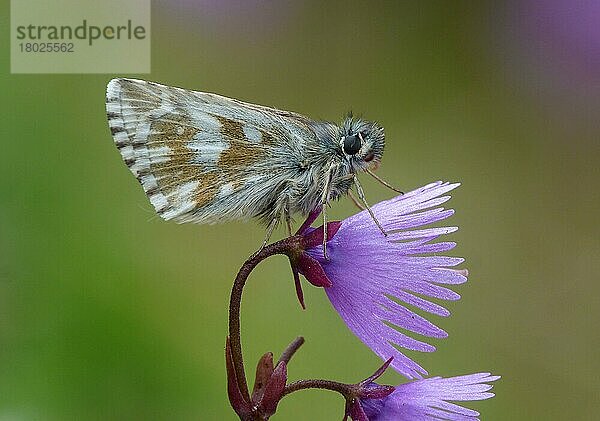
(302, 263)
(371, 274)
(427, 399)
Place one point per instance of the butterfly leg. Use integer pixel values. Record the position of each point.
(361, 195)
(270, 230)
(324, 202)
(355, 201)
(288, 222)
(325, 256)
(288, 218)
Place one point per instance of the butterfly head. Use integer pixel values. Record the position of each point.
(361, 143)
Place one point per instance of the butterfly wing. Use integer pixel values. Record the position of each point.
(202, 157)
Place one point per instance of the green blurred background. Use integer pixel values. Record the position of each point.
(107, 312)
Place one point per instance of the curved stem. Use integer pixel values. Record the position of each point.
(290, 247)
(285, 246)
(347, 390)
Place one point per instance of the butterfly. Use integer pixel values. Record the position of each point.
(206, 158)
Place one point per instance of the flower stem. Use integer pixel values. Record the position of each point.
(290, 247)
(347, 390)
(285, 246)
(291, 349)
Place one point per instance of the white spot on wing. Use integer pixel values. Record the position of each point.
(112, 107)
(120, 138)
(208, 148)
(159, 201)
(159, 155)
(113, 89)
(186, 191)
(142, 133)
(252, 133)
(182, 200)
(127, 153)
(149, 182)
(225, 190)
(206, 122)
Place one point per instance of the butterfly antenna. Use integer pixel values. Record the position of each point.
(382, 181)
(361, 195)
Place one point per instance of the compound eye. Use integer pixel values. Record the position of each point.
(352, 144)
